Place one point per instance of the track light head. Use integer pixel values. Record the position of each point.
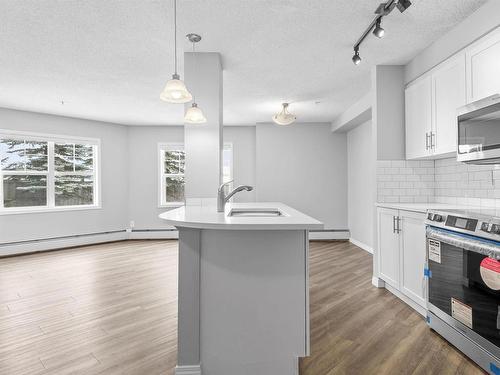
(403, 5)
(378, 31)
(356, 59)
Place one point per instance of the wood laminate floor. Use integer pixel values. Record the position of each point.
(112, 309)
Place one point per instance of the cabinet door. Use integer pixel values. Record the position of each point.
(388, 247)
(413, 256)
(418, 117)
(448, 85)
(483, 67)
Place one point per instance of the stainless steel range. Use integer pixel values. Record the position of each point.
(463, 288)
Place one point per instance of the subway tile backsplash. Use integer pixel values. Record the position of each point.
(442, 181)
(401, 181)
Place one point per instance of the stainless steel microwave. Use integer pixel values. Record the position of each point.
(479, 132)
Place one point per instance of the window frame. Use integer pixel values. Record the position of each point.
(162, 147)
(51, 140)
(172, 146)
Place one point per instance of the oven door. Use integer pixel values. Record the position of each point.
(479, 132)
(463, 285)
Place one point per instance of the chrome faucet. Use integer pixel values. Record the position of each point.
(222, 198)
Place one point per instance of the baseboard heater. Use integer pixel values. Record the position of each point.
(53, 243)
(329, 234)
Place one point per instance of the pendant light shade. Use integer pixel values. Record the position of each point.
(284, 117)
(194, 115)
(175, 91)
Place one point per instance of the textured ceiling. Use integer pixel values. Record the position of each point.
(109, 60)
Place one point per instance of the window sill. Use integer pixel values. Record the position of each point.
(172, 205)
(42, 210)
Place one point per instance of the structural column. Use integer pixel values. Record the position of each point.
(203, 142)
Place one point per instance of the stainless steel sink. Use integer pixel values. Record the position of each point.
(255, 212)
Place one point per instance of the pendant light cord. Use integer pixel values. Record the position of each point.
(175, 36)
(194, 58)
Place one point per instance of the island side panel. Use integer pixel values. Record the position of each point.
(253, 301)
(188, 331)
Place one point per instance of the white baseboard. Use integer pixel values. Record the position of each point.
(378, 283)
(153, 234)
(415, 306)
(329, 235)
(59, 243)
(361, 245)
(188, 370)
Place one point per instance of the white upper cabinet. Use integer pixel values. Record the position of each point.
(418, 118)
(431, 110)
(483, 67)
(449, 94)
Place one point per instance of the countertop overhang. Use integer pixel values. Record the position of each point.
(207, 217)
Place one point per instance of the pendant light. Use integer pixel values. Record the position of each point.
(284, 117)
(194, 115)
(175, 90)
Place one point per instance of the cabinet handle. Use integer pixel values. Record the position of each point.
(433, 144)
(394, 224)
(426, 141)
(398, 221)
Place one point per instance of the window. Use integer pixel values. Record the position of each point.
(40, 172)
(172, 160)
(172, 166)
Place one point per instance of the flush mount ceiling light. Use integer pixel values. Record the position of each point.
(382, 10)
(284, 117)
(378, 31)
(175, 90)
(194, 115)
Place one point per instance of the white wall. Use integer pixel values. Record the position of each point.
(243, 140)
(143, 182)
(360, 181)
(114, 180)
(304, 166)
(472, 28)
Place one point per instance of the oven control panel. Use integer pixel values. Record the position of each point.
(461, 223)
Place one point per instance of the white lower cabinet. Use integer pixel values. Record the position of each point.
(401, 252)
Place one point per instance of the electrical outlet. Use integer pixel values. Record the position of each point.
(132, 223)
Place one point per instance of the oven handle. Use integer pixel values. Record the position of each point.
(464, 241)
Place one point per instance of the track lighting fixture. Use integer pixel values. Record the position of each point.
(403, 5)
(356, 59)
(378, 31)
(383, 10)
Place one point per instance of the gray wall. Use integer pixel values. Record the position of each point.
(243, 140)
(472, 28)
(304, 166)
(360, 183)
(143, 198)
(114, 180)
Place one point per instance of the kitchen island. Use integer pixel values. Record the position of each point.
(243, 288)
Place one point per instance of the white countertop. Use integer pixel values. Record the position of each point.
(422, 207)
(207, 217)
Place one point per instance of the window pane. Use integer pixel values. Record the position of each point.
(174, 162)
(74, 190)
(24, 191)
(227, 160)
(12, 153)
(64, 157)
(36, 156)
(174, 189)
(84, 155)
